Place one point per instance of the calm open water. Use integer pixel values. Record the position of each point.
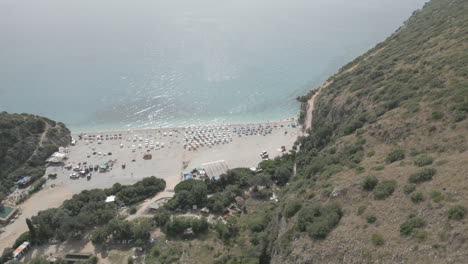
(114, 64)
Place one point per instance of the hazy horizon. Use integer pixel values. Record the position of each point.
(117, 64)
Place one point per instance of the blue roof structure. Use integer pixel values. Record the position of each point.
(188, 176)
(23, 180)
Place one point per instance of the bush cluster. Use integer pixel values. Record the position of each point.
(395, 155)
(227, 230)
(437, 196)
(417, 197)
(409, 188)
(178, 225)
(422, 175)
(291, 208)
(319, 220)
(371, 219)
(88, 209)
(118, 229)
(369, 183)
(411, 224)
(422, 160)
(456, 212)
(377, 239)
(384, 189)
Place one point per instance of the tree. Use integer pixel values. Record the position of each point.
(32, 229)
(99, 236)
(7, 254)
(199, 194)
(369, 183)
(2, 197)
(161, 217)
(281, 175)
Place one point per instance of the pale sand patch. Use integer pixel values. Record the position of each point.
(42, 200)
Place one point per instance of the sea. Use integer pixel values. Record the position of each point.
(113, 64)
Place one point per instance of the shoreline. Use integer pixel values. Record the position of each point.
(273, 122)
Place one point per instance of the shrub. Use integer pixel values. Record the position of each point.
(369, 182)
(161, 217)
(395, 155)
(423, 160)
(371, 219)
(319, 220)
(263, 194)
(360, 169)
(361, 209)
(132, 210)
(292, 208)
(436, 115)
(437, 196)
(22, 238)
(370, 153)
(378, 168)
(384, 189)
(409, 188)
(421, 235)
(7, 254)
(422, 175)
(417, 197)
(459, 116)
(227, 230)
(257, 224)
(456, 212)
(411, 224)
(377, 239)
(169, 252)
(178, 225)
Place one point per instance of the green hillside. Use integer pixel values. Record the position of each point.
(26, 141)
(388, 144)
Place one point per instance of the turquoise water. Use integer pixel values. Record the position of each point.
(118, 64)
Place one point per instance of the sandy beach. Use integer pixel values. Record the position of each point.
(169, 159)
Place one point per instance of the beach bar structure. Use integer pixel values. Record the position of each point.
(57, 157)
(215, 169)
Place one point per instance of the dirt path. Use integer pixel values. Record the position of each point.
(311, 102)
(144, 206)
(311, 105)
(41, 141)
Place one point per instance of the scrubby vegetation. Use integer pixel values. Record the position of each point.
(377, 239)
(417, 197)
(87, 210)
(422, 175)
(456, 212)
(409, 188)
(318, 220)
(423, 160)
(395, 155)
(411, 225)
(21, 151)
(369, 182)
(384, 189)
